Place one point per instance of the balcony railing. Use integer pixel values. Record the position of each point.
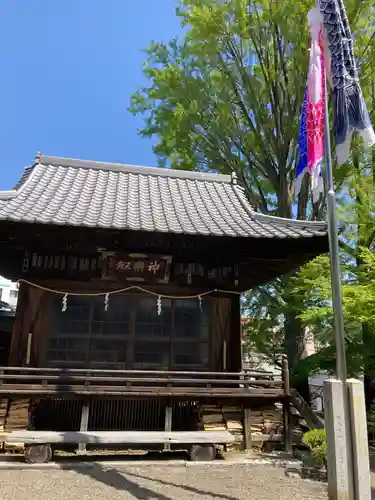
(27, 381)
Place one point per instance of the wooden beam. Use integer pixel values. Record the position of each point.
(312, 419)
(95, 379)
(99, 371)
(33, 390)
(118, 437)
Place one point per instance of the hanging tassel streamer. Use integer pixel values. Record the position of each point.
(106, 302)
(64, 303)
(158, 303)
(200, 303)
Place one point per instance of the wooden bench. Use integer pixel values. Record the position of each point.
(200, 444)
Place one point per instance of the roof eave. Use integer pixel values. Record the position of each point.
(315, 225)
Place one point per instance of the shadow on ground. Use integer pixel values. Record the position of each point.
(98, 456)
(184, 487)
(113, 478)
(123, 482)
(155, 456)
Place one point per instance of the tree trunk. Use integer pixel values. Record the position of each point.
(294, 332)
(294, 336)
(284, 200)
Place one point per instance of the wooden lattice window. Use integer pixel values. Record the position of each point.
(130, 334)
(85, 334)
(190, 334)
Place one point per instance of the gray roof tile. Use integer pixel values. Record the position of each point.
(62, 191)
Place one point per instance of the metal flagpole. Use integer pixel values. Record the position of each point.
(344, 412)
(334, 252)
(337, 414)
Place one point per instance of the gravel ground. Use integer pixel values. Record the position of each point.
(239, 482)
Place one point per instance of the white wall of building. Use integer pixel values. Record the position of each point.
(8, 291)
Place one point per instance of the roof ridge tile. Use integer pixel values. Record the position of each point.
(135, 169)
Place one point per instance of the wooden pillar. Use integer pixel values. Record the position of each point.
(17, 347)
(168, 423)
(247, 428)
(234, 347)
(17, 413)
(84, 425)
(288, 435)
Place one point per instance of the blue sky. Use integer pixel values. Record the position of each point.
(68, 70)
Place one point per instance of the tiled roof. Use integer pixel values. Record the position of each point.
(66, 192)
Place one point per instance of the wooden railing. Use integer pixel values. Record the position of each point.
(29, 381)
(312, 419)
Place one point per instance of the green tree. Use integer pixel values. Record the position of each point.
(227, 97)
(313, 284)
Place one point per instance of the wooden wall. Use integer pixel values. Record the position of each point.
(225, 345)
(33, 325)
(28, 327)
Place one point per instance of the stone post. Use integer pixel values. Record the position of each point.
(361, 461)
(339, 454)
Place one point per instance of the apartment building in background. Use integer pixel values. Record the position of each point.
(8, 293)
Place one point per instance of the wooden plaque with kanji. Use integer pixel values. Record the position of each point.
(136, 267)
